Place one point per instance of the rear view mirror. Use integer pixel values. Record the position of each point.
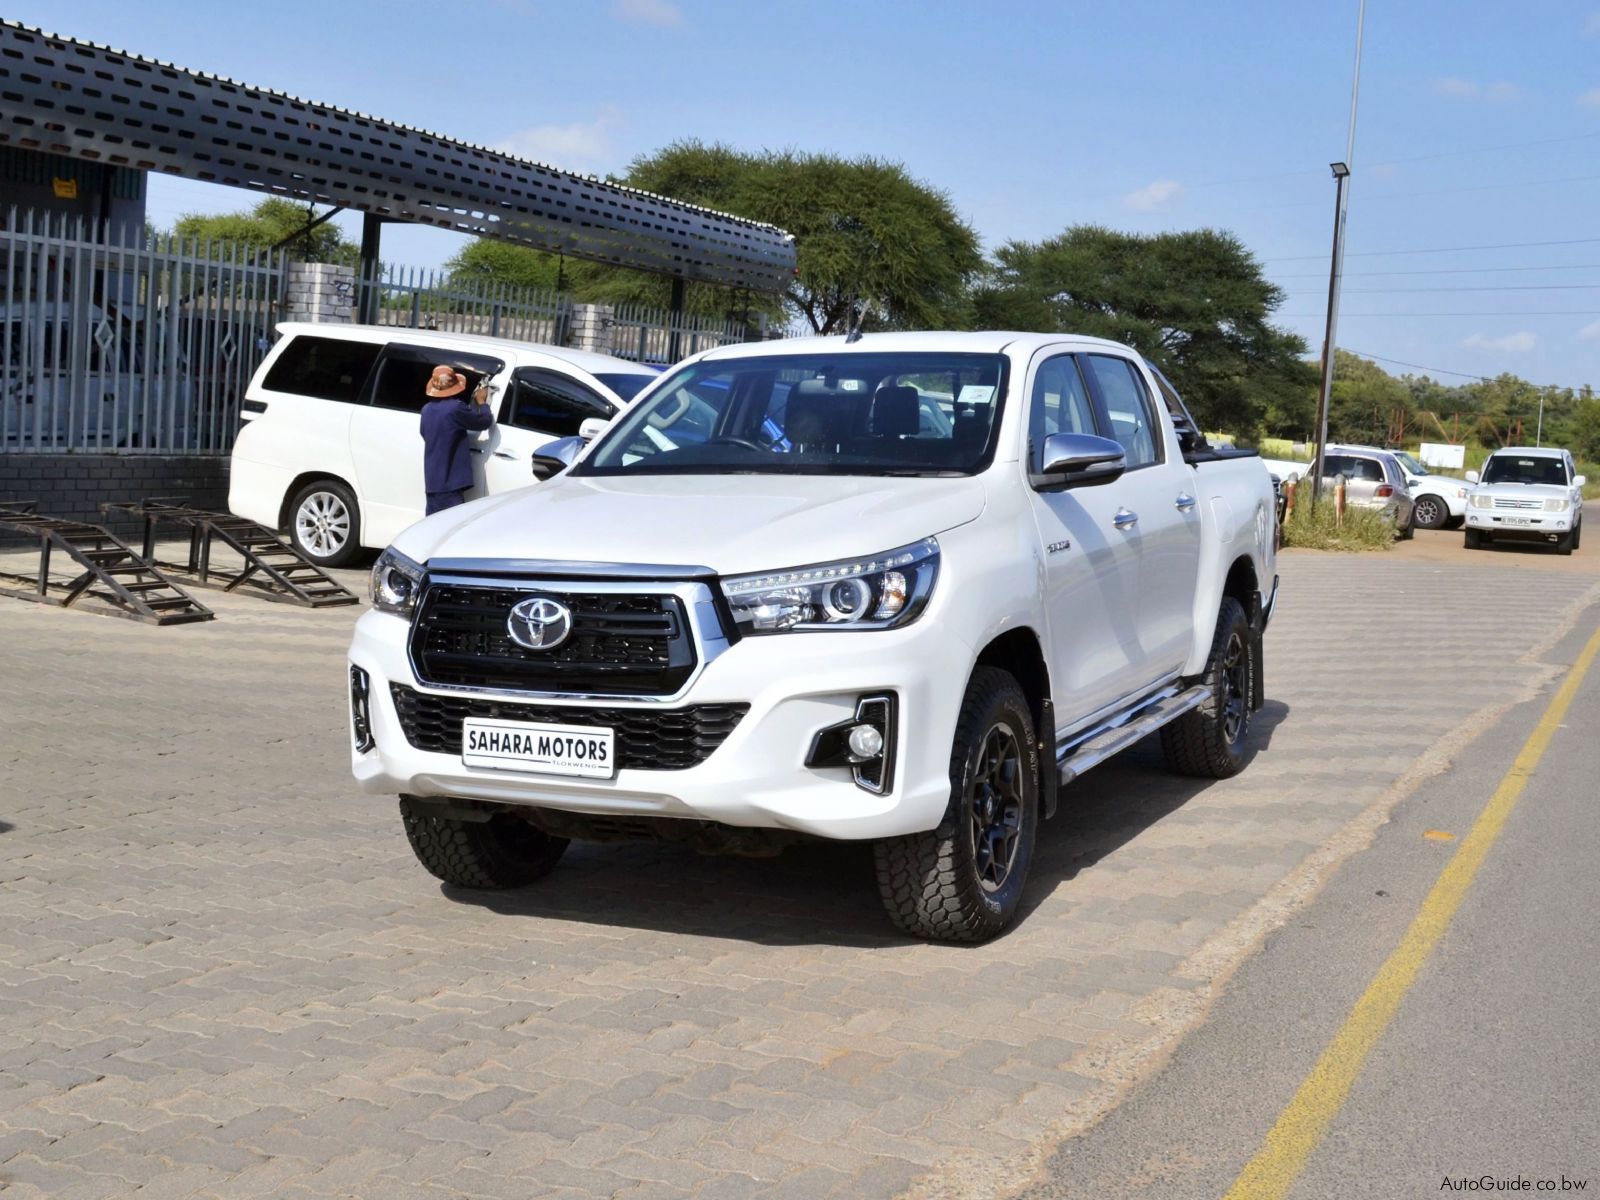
(552, 458)
(1472, 477)
(1579, 480)
(592, 428)
(1079, 460)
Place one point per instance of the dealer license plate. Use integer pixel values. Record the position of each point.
(548, 749)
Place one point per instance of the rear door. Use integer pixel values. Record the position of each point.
(386, 435)
(539, 406)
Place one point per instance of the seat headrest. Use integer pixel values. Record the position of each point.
(896, 411)
(813, 416)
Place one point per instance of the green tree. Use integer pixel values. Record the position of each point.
(268, 223)
(1195, 303)
(1364, 402)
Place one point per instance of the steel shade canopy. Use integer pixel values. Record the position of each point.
(62, 96)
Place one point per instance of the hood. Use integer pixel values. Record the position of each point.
(729, 523)
(1531, 491)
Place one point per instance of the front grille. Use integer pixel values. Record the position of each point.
(625, 644)
(1504, 502)
(668, 739)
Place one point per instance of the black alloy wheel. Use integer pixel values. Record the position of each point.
(995, 800)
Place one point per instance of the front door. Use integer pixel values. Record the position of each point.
(1091, 559)
(540, 406)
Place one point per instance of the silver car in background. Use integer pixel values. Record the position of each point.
(1373, 479)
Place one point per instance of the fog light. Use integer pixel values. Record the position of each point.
(360, 712)
(865, 741)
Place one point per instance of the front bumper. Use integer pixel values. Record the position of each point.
(1523, 525)
(795, 684)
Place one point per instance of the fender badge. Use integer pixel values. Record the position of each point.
(1058, 547)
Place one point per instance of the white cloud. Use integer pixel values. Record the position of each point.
(580, 146)
(1590, 332)
(1153, 196)
(1591, 27)
(661, 13)
(1591, 98)
(1511, 343)
(1470, 89)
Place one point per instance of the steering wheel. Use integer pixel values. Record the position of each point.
(668, 420)
(730, 440)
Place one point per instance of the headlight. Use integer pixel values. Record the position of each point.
(879, 592)
(1557, 505)
(396, 580)
(1482, 500)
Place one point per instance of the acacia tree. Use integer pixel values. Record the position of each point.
(1195, 303)
(268, 223)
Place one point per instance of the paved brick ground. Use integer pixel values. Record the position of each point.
(222, 974)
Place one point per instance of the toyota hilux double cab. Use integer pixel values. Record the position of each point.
(1526, 494)
(899, 590)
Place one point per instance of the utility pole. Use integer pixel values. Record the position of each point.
(1341, 209)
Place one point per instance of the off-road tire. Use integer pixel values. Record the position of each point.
(1430, 512)
(502, 852)
(1473, 540)
(1201, 742)
(345, 554)
(930, 882)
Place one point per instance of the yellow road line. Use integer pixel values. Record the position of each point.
(1299, 1128)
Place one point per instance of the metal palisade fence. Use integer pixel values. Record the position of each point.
(415, 298)
(657, 335)
(112, 342)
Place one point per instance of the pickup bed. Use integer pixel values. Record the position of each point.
(901, 589)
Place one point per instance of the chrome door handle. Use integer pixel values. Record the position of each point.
(505, 454)
(1125, 519)
(1185, 502)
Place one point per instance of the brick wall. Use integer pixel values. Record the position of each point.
(74, 485)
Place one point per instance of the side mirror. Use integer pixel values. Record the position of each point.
(1579, 480)
(1472, 477)
(552, 458)
(592, 428)
(1079, 460)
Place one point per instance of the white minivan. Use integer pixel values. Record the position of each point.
(331, 447)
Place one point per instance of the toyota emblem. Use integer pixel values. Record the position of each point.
(539, 623)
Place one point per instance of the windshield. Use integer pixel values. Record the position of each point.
(822, 414)
(1525, 468)
(627, 386)
(1412, 466)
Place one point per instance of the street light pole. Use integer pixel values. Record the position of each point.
(1341, 174)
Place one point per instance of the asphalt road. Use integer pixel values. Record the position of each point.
(1489, 1066)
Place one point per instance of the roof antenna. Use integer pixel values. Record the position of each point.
(854, 335)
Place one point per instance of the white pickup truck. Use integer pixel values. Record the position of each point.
(897, 590)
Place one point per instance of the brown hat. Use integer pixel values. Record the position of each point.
(446, 381)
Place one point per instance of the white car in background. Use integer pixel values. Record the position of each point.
(1526, 494)
(331, 445)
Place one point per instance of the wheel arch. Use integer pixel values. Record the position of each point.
(1019, 652)
(306, 478)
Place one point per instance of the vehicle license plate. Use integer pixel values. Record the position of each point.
(1516, 520)
(548, 749)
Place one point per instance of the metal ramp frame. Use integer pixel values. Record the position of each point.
(112, 572)
(273, 568)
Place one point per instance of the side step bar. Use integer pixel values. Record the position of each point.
(1099, 744)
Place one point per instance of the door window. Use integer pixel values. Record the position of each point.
(1127, 407)
(1060, 404)
(403, 375)
(326, 368)
(552, 404)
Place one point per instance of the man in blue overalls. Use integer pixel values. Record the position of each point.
(446, 421)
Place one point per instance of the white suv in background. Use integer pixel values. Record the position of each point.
(1526, 494)
(331, 446)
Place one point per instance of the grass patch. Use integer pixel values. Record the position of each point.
(1315, 529)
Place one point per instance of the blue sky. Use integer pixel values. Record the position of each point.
(1032, 117)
